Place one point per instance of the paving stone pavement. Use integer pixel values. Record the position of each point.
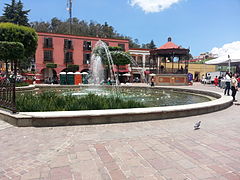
(163, 150)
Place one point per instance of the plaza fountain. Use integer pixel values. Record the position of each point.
(160, 102)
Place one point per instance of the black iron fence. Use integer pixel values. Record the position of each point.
(7, 95)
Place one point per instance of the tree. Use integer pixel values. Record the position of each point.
(119, 57)
(14, 13)
(27, 36)
(11, 51)
(150, 45)
(133, 43)
(82, 28)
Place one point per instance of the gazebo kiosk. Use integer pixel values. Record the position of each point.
(170, 64)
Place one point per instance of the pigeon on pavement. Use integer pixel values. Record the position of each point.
(197, 125)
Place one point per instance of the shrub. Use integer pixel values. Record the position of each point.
(73, 68)
(50, 101)
(51, 65)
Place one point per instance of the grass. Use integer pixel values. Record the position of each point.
(50, 101)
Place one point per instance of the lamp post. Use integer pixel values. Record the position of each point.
(69, 8)
(229, 63)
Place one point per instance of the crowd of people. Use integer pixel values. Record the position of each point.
(228, 82)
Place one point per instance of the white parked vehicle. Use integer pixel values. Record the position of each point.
(209, 79)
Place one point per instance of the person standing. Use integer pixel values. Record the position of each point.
(238, 81)
(152, 81)
(234, 86)
(228, 81)
(216, 81)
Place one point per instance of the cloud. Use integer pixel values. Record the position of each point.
(232, 49)
(152, 6)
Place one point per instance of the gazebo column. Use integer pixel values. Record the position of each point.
(185, 69)
(166, 64)
(158, 62)
(179, 59)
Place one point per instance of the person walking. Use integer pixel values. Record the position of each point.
(228, 82)
(152, 81)
(234, 86)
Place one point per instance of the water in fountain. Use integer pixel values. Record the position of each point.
(97, 66)
(97, 74)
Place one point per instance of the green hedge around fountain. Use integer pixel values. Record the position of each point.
(51, 101)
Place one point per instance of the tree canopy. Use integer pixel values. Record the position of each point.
(11, 51)
(150, 45)
(14, 13)
(25, 35)
(118, 56)
(82, 28)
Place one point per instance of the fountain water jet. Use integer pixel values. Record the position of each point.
(97, 76)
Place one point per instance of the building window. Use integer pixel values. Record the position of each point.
(48, 55)
(87, 58)
(87, 46)
(68, 57)
(68, 44)
(47, 43)
(122, 46)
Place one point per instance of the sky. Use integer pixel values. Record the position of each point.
(201, 25)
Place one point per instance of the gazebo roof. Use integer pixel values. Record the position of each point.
(169, 49)
(169, 45)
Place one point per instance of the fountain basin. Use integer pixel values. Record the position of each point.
(65, 118)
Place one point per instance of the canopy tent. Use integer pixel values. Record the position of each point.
(226, 60)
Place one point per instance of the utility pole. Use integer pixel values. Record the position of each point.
(69, 8)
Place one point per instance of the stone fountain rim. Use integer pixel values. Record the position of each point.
(61, 118)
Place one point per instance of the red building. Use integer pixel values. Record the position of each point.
(56, 51)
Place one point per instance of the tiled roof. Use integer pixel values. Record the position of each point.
(169, 45)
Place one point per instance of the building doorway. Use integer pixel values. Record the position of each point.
(49, 76)
(196, 76)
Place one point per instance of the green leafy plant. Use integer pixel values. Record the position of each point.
(11, 50)
(73, 68)
(51, 101)
(51, 65)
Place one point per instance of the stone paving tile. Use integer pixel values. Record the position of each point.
(161, 150)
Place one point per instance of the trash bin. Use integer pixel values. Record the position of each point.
(70, 78)
(63, 78)
(77, 78)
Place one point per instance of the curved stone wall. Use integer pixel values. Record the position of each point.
(64, 118)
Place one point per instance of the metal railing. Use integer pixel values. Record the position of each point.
(7, 95)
